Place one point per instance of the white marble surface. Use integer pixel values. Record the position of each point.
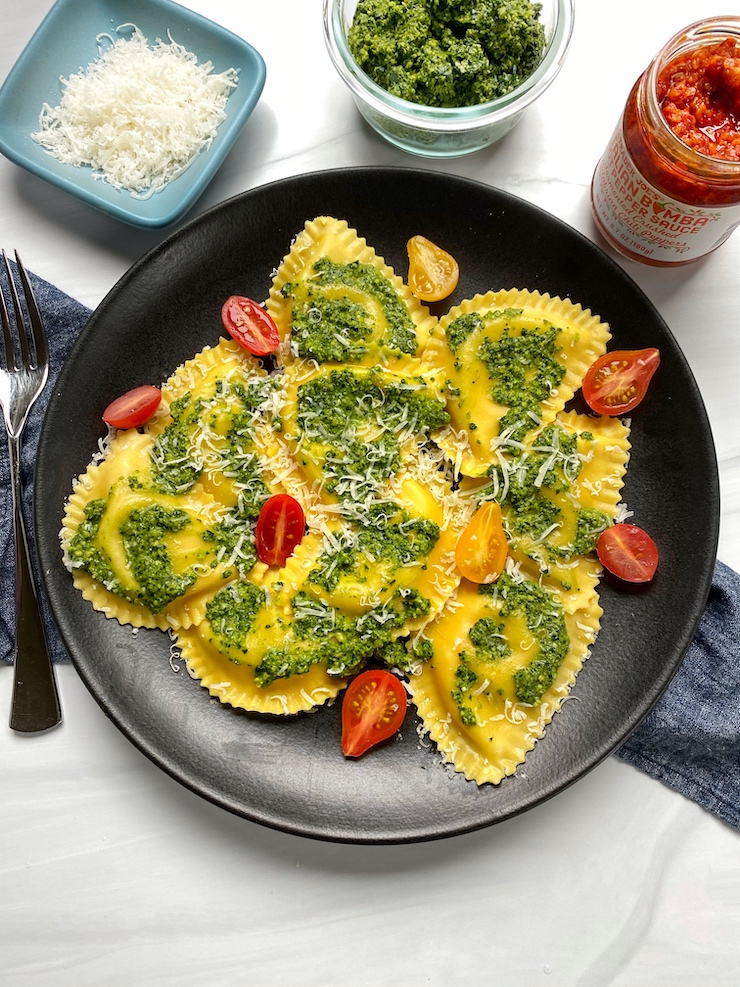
(111, 873)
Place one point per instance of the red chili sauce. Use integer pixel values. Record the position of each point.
(699, 94)
(700, 90)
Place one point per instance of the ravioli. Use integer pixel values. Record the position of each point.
(348, 594)
(504, 659)
(142, 556)
(390, 428)
(335, 300)
(508, 362)
(561, 489)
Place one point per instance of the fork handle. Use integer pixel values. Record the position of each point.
(35, 704)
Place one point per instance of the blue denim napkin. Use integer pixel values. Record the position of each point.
(690, 740)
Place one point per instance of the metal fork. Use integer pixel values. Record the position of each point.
(35, 704)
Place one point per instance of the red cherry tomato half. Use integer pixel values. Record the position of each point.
(616, 382)
(373, 709)
(250, 325)
(482, 548)
(133, 408)
(628, 552)
(280, 527)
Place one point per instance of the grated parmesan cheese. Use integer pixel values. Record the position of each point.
(138, 115)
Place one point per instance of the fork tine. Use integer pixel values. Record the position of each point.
(37, 326)
(27, 360)
(9, 349)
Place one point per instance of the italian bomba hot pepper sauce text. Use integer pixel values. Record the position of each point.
(667, 188)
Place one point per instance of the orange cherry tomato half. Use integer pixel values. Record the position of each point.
(616, 382)
(280, 527)
(133, 408)
(433, 273)
(482, 547)
(373, 709)
(628, 552)
(250, 325)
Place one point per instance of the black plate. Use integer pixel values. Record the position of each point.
(290, 773)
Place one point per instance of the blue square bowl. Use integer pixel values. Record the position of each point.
(65, 43)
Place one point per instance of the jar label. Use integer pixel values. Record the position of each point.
(642, 220)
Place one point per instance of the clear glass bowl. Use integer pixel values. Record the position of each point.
(436, 132)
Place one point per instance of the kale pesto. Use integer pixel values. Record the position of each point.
(233, 537)
(552, 464)
(333, 409)
(329, 326)
(545, 620)
(174, 468)
(523, 371)
(489, 645)
(465, 679)
(232, 613)
(322, 634)
(447, 52)
(83, 552)
(521, 365)
(176, 462)
(387, 533)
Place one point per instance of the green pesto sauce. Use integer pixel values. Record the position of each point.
(143, 534)
(176, 469)
(388, 533)
(83, 551)
(332, 408)
(447, 52)
(490, 645)
(173, 468)
(324, 635)
(532, 513)
(545, 619)
(232, 612)
(241, 461)
(590, 525)
(523, 371)
(465, 680)
(233, 536)
(338, 330)
(522, 367)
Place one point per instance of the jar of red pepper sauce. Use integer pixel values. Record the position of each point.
(667, 189)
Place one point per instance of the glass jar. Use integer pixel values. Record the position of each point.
(655, 198)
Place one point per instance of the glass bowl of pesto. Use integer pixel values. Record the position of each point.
(443, 78)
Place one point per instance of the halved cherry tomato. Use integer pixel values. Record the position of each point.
(433, 273)
(482, 547)
(250, 325)
(628, 552)
(133, 408)
(280, 527)
(373, 709)
(616, 382)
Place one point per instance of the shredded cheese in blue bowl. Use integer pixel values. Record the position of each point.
(129, 105)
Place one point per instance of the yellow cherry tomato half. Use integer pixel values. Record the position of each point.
(433, 273)
(482, 548)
